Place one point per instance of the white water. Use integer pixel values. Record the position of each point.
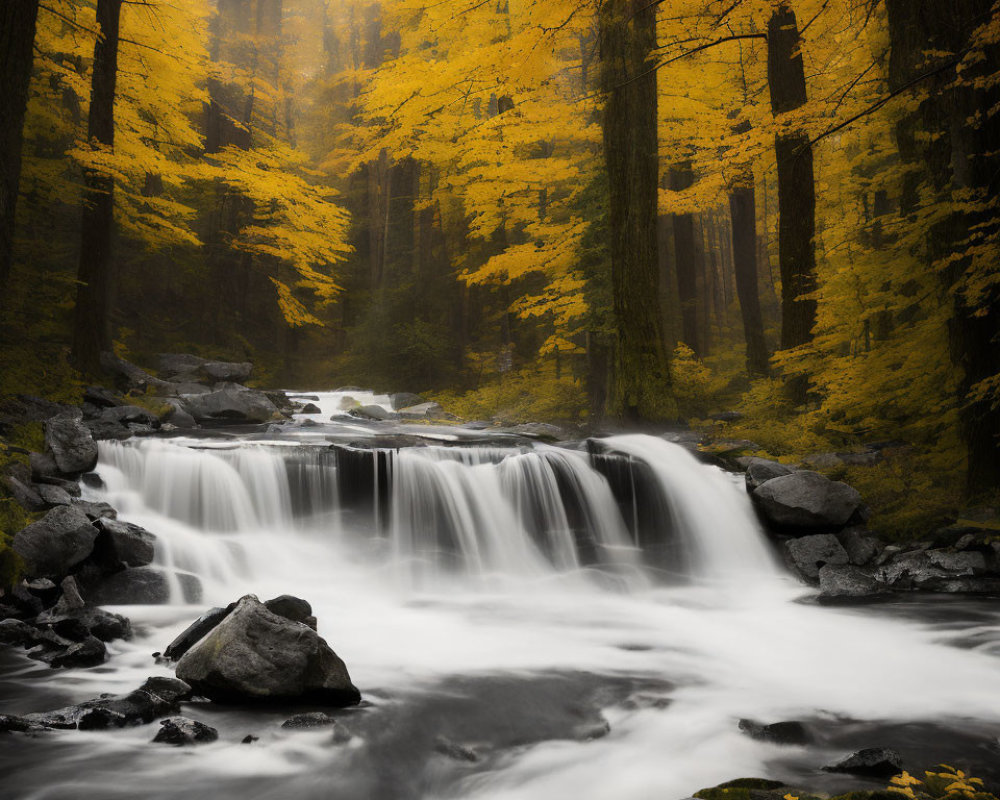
(477, 571)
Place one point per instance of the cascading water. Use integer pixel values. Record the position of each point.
(478, 592)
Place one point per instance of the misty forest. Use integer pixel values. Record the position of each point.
(501, 399)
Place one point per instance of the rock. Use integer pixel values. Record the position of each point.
(311, 408)
(71, 599)
(847, 583)
(16, 633)
(9, 724)
(181, 731)
(107, 430)
(79, 623)
(249, 739)
(71, 445)
(809, 554)
(88, 653)
(540, 430)
(961, 564)
(141, 586)
(316, 719)
(60, 540)
(255, 655)
(231, 403)
(455, 751)
(178, 416)
(102, 398)
(170, 690)
(785, 733)
(347, 403)
(588, 731)
(806, 501)
(95, 511)
(53, 496)
(294, 608)
(874, 762)
(227, 371)
(860, 545)
(173, 365)
(401, 400)
(760, 471)
(375, 413)
(43, 465)
(424, 411)
(124, 543)
(156, 697)
(125, 415)
(26, 602)
(44, 589)
(196, 631)
(25, 494)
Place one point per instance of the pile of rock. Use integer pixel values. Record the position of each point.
(820, 524)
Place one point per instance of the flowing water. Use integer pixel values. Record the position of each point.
(511, 597)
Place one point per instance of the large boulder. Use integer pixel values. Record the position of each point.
(809, 554)
(374, 413)
(257, 656)
(761, 470)
(186, 368)
(122, 543)
(875, 762)
(131, 587)
(230, 403)
(70, 444)
(56, 543)
(807, 502)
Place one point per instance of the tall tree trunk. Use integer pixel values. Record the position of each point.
(957, 147)
(681, 177)
(17, 37)
(627, 31)
(796, 182)
(92, 328)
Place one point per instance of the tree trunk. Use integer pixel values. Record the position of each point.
(686, 260)
(743, 211)
(957, 146)
(627, 30)
(92, 328)
(17, 37)
(796, 182)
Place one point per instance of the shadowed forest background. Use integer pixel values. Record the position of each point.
(627, 210)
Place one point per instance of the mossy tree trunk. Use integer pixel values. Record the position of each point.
(92, 322)
(627, 31)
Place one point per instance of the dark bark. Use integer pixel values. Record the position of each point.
(957, 147)
(796, 182)
(687, 261)
(627, 30)
(743, 211)
(92, 325)
(17, 36)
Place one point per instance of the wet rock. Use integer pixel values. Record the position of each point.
(230, 403)
(72, 447)
(51, 547)
(12, 724)
(95, 511)
(255, 655)
(846, 584)
(44, 589)
(178, 416)
(169, 690)
(874, 762)
(961, 564)
(455, 751)
(156, 697)
(249, 739)
(196, 631)
(932, 570)
(181, 731)
(141, 586)
(311, 408)
(861, 546)
(809, 554)
(806, 502)
(588, 731)
(316, 719)
(124, 543)
(374, 413)
(79, 624)
(784, 733)
(294, 608)
(760, 471)
(401, 400)
(24, 601)
(88, 653)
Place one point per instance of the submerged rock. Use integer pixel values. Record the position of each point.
(181, 731)
(316, 719)
(806, 502)
(874, 762)
(256, 655)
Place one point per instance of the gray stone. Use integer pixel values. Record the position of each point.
(315, 719)
(960, 564)
(294, 608)
(255, 655)
(103, 398)
(760, 471)
(861, 546)
(806, 501)
(125, 543)
(311, 408)
(809, 554)
(785, 733)
(181, 731)
(227, 371)
(874, 762)
(43, 465)
(89, 653)
(53, 495)
(375, 413)
(231, 403)
(95, 511)
(55, 544)
(838, 583)
(124, 415)
(141, 586)
(72, 447)
(196, 631)
(25, 494)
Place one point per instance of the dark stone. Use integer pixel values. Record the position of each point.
(785, 733)
(455, 751)
(255, 655)
(43, 465)
(25, 494)
(11, 724)
(95, 511)
(752, 784)
(24, 600)
(124, 543)
(180, 731)
(140, 586)
(56, 543)
(156, 697)
(932, 570)
(806, 501)
(311, 408)
(809, 554)
(316, 719)
(79, 624)
(760, 471)
(89, 653)
(874, 762)
(124, 415)
(170, 690)
(180, 418)
(72, 447)
(231, 403)
(374, 413)
(196, 631)
(104, 430)
(847, 584)
(249, 739)
(53, 496)
(71, 487)
(294, 608)
(227, 371)
(103, 398)
(16, 633)
(861, 546)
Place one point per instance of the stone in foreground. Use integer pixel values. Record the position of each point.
(806, 501)
(254, 655)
